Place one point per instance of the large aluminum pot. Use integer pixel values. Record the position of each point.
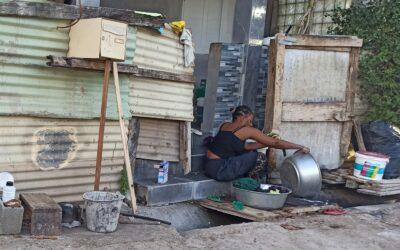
(301, 173)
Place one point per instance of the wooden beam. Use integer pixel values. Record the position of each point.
(71, 12)
(273, 107)
(315, 112)
(319, 48)
(185, 146)
(322, 41)
(347, 127)
(359, 136)
(99, 157)
(87, 64)
(124, 138)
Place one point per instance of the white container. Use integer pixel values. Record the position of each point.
(163, 172)
(102, 211)
(370, 165)
(8, 192)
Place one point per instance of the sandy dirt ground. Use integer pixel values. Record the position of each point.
(371, 227)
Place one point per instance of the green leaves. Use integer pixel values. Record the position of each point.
(378, 23)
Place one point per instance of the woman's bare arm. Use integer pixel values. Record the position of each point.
(260, 137)
(253, 146)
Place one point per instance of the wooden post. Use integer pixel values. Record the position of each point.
(107, 69)
(124, 138)
(185, 146)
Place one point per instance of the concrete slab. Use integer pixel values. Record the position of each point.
(194, 186)
(154, 194)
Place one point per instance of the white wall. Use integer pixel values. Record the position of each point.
(210, 21)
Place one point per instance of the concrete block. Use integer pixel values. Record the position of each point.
(10, 219)
(154, 194)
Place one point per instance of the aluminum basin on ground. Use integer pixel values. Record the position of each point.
(261, 200)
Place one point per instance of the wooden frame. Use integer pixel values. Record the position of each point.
(71, 12)
(279, 111)
(98, 65)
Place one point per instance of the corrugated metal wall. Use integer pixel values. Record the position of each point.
(158, 140)
(58, 156)
(160, 52)
(29, 87)
(161, 99)
(291, 11)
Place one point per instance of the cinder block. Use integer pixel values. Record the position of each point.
(10, 219)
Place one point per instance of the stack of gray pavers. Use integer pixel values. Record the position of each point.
(228, 87)
(261, 89)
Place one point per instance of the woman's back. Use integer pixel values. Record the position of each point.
(226, 144)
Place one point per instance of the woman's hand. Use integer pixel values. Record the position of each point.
(304, 150)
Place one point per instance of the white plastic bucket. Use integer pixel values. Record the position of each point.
(102, 211)
(370, 165)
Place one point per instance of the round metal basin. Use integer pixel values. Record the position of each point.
(261, 200)
(301, 173)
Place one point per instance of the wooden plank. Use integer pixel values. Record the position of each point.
(124, 138)
(371, 192)
(350, 95)
(184, 146)
(335, 49)
(99, 157)
(259, 215)
(133, 140)
(298, 111)
(384, 181)
(248, 213)
(322, 41)
(358, 134)
(273, 116)
(76, 63)
(71, 12)
(380, 188)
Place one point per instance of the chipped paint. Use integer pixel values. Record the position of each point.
(53, 148)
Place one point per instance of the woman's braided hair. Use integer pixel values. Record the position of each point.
(240, 111)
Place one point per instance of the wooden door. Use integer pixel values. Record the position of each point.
(310, 94)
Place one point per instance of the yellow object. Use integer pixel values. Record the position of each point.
(98, 38)
(178, 26)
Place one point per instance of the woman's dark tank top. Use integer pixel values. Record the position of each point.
(226, 144)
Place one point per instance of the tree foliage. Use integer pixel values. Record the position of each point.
(378, 23)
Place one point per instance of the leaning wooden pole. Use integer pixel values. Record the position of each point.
(124, 137)
(107, 69)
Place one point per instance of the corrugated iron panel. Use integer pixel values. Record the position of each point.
(30, 40)
(58, 156)
(160, 52)
(29, 87)
(158, 140)
(56, 92)
(161, 99)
